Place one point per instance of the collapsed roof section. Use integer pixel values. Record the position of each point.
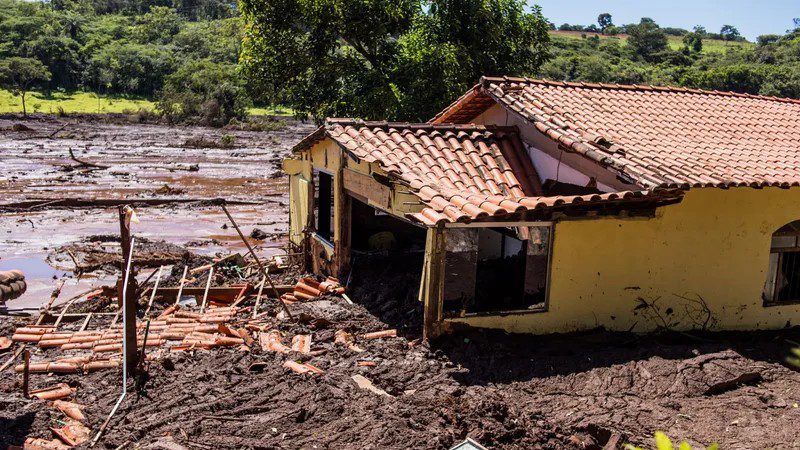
(460, 173)
(657, 137)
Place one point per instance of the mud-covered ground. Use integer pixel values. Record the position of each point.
(145, 161)
(508, 392)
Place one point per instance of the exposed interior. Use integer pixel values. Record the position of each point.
(783, 277)
(497, 269)
(374, 230)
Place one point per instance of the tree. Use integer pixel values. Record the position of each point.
(403, 59)
(646, 39)
(604, 20)
(729, 33)
(693, 42)
(157, 26)
(210, 92)
(20, 74)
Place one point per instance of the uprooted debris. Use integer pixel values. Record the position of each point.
(103, 252)
(12, 284)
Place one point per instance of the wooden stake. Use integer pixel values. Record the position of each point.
(26, 373)
(86, 322)
(183, 281)
(11, 360)
(153, 294)
(208, 285)
(129, 290)
(53, 296)
(258, 297)
(258, 261)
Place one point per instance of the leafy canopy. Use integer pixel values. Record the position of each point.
(20, 74)
(395, 59)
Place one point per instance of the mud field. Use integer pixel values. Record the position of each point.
(579, 391)
(144, 161)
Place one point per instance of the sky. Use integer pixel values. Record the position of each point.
(752, 18)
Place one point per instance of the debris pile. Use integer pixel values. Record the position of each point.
(180, 330)
(12, 284)
(307, 288)
(73, 430)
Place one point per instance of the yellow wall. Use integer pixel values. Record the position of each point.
(714, 244)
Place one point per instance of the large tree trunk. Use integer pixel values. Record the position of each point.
(24, 111)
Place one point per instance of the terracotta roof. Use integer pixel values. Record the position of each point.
(461, 173)
(655, 136)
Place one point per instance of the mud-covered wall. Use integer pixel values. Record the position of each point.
(712, 246)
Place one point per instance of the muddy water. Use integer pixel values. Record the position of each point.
(142, 159)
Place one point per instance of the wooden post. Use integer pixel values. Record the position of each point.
(131, 356)
(26, 373)
(434, 282)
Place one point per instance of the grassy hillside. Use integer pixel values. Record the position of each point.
(91, 103)
(76, 102)
(675, 42)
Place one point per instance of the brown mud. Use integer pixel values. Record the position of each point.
(510, 392)
(506, 391)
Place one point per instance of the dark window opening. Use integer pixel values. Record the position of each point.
(323, 205)
(783, 276)
(496, 269)
(376, 231)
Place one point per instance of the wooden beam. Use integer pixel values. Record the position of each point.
(129, 312)
(434, 282)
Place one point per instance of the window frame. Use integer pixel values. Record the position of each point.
(545, 305)
(774, 273)
(315, 196)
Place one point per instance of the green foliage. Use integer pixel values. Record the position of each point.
(663, 442)
(605, 21)
(157, 26)
(20, 74)
(730, 33)
(693, 42)
(129, 52)
(129, 68)
(382, 58)
(209, 92)
(647, 40)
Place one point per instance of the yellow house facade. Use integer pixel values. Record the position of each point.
(543, 207)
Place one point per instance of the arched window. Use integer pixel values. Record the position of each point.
(783, 277)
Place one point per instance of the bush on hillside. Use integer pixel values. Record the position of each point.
(206, 92)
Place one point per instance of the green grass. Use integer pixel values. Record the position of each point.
(91, 103)
(271, 111)
(675, 42)
(73, 102)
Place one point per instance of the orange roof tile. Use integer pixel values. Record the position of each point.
(655, 136)
(461, 173)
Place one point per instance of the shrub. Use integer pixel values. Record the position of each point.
(205, 91)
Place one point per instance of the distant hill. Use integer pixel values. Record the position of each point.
(675, 42)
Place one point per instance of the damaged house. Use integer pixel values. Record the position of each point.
(538, 206)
